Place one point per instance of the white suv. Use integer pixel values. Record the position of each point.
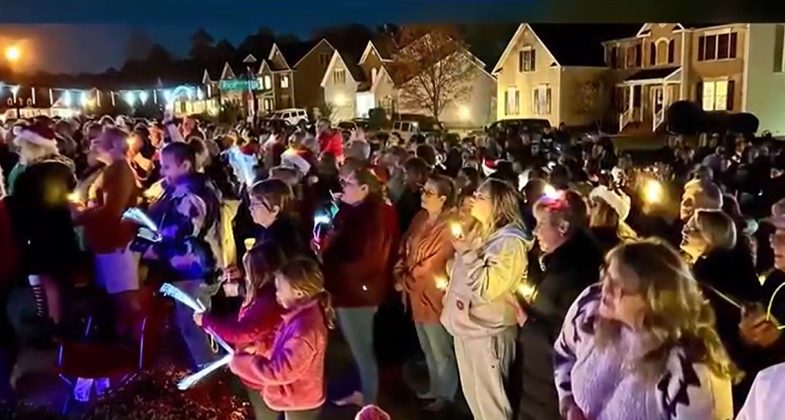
(291, 116)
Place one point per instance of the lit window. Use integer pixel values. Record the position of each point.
(339, 76)
(268, 82)
(526, 59)
(542, 100)
(715, 95)
(284, 82)
(511, 101)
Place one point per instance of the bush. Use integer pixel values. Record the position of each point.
(377, 119)
(684, 117)
(744, 123)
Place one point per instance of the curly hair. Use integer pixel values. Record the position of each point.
(676, 312)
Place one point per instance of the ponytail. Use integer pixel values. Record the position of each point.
(325, 300)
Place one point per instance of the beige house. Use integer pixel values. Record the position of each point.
(308, 72)
(736, 67)
(555, 72)
(343, 83)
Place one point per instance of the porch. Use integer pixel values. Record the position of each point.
(644, 97)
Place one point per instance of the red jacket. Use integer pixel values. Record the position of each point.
(331, 142)
(255, 326)
(360, 254)
(292, 378)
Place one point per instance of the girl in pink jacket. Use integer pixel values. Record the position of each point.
(291, 379)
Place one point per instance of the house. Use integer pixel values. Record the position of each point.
(555, 72)
(344, 85)
(309, 70)
(276, 80)
(735, 67)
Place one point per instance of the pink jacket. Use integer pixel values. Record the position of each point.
(256, 325)
(292, 379)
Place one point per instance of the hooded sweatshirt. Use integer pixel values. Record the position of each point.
(481, 296)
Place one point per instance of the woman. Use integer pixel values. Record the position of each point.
(358, 257)
(273, 208)
(570, 262)
(724, 270)
(421, 274)
(642, 345)
(609, 210)
(481, 310)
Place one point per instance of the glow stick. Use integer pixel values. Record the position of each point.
(140, 217)
(191, 380)
(168, 289)
(242, 165)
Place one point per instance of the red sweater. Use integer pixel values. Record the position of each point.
(292, 378)
(113, 192)
(360, 254)
(255, 326)
(331, 142)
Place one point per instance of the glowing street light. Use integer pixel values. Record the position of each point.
(13, 53)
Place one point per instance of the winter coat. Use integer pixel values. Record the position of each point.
(360, 254)
(481, 297)
(292, 378)
(256, 324)
(331, 141)
(603, 386)
(289, 235)
(568, 270)
(425, 251)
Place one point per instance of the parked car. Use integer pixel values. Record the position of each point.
(291, 116)
(407, 125)
(532, 125)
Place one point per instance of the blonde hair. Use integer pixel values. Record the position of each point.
(304, 275)
(260, 262)
(604, 216)
(717, 228)
(676, 313)
(505, 205)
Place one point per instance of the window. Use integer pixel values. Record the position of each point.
(717, 46)
(671, 51)
(526, 59)
(284, 82)
(339, 76)
(512, 101)
(614, 58)
(716, 95)
(268, 104)
(268, 82)
(634, 56)
(652, 54)
(542, 100)
(324, 59)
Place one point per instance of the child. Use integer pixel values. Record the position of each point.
(291, 379)
(260, 314)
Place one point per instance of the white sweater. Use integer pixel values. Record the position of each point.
(603, 386)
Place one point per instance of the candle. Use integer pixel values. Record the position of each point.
(441, 282)
(653, 191)
(456, 229)
(249, 243)
(74, 197)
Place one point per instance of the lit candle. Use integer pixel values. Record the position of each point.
(456, 229)
(550, 191)
(74, 197)
(441, 282)
(249, 243)
(653, 191)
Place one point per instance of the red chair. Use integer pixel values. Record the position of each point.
(94, 360)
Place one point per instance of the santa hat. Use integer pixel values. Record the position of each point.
(488, 167)
(38, 134)
(619, 201)
(372, 412)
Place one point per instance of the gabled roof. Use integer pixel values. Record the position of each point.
(652, 74)
(354, 70)
(250, 59)
(265, 63)
(206, 77)
(570, 44)
(313, 48)
(227, 72)
(295, 52)
(273, 65)
(647, 27)
(383, 49)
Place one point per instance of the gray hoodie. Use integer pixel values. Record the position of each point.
(481, 296)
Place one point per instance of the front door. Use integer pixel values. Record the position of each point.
(657, 102)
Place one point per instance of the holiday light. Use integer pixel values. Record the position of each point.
(653, 191)
(143, 97)
(168, 97)
(129, 97)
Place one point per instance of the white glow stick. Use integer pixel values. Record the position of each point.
(141, 218)
(191, 380)
(167, 289)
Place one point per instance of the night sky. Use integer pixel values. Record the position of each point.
(91, 35)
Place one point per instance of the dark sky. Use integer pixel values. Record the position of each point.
(91, 35)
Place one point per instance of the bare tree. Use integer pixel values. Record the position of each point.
(433, 68)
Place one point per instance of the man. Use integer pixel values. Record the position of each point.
(699, 195)
(330, 141)
(108, 236)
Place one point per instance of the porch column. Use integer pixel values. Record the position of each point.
(632, 98)
(665, 95)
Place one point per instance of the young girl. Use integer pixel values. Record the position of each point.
(290, 379)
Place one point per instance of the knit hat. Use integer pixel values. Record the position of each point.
(619, 201)
(38, 134)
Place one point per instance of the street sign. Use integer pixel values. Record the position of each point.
(237, 85)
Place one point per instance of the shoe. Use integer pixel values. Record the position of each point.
(437, 405)
(355, 398)
(428, 395)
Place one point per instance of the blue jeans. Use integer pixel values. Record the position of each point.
(262, 412)
(357, 328)
(196, 339)
(437, 344)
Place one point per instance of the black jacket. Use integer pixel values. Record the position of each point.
(288, 233)
(567, 271)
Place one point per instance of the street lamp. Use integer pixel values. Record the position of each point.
(13, 53)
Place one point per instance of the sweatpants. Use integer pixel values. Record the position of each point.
(484, 365)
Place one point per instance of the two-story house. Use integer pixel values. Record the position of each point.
(735, 67)
(281, 86)
(555, 72)
(344, 86)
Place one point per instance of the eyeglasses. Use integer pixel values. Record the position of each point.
(428, 193)
(256, 204)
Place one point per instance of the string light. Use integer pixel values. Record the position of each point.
(143, 96)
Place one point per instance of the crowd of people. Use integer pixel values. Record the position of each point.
(544, 275)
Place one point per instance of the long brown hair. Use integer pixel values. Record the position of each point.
(676, 315)
(305, 276)
(505, 203)
(260, 263)
(276, 193)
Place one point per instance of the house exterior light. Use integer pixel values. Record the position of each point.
(341, 99)
(464, 113)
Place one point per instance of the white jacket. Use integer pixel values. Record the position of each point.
(480, 299)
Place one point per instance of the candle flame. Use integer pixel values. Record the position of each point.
(456, 229)
(75, 197)
(441, 282)
(653, 191)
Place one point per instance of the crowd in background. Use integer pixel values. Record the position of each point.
(544, 275)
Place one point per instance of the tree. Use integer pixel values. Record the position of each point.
(258, 44)
(434, 66)
(158, 54)
(225, 51)
(202, 46)
(139, 45)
